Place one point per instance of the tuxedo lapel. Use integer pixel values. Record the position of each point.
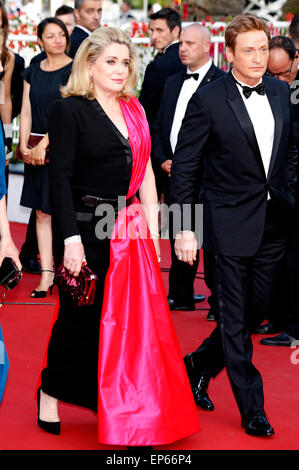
(274, 101)
(209, 76)
(238, 107)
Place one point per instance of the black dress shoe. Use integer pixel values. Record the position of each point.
(267, 329)
(31, 266)
(280, 340)
(258, 425)
(175, 306)
(199, 385)
(199, 298)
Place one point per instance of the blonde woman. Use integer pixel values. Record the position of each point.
(120, 356)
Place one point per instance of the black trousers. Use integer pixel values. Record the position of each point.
(181, 278)
(292, 287)
(244, 288)
(208, 274)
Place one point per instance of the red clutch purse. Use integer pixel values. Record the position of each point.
(80, 289)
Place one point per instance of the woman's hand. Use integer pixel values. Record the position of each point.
(38, 155)
(74, 256)
(26, 154)
(9, 249)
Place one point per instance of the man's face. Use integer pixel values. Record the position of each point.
(69, 21)
(90, 14)
(194, 48)
(250, 56)
(160, 34)
(281, 66)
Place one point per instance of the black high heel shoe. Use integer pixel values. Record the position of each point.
(52, 428)
(39, 294)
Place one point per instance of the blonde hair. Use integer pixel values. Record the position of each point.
(90, 50)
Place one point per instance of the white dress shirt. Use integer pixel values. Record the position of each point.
(188, 88)
(84, 29)
(262, 119)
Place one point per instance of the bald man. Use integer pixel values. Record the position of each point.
(194, 53)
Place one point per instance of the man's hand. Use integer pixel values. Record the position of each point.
(185, 247)
(166, 166)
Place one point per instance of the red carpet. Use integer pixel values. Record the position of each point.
(26, 324)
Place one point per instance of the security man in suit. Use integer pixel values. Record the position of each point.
(88, 15)
(194, 53)
(164, 30)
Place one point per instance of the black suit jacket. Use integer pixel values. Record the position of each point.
(161, 148)
(155, 76)
(295, 105)
(77, 36)
(217, 130)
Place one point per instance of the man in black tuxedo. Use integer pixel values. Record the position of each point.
(239, 128)
(88, 16)
(283, 65)
(194, 52)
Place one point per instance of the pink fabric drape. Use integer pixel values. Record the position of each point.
(144, 394)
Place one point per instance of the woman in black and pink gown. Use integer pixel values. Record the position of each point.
(120, 356)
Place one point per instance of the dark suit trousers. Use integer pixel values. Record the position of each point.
(243, 289)
(292, 291)
(181, 279)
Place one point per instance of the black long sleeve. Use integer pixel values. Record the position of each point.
(63, 133)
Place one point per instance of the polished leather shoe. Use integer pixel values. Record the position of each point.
(211, 316)
(199, 298)
(267, 329)
(199, 385)
(280, 340)
(258, 425)
(175, 306)
(31, 266)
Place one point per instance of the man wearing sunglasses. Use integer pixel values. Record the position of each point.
(283, 64)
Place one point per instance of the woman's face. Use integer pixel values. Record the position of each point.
(53, 39)
(111, 69)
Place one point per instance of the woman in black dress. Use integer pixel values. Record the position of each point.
(42, 82)
(133, 374)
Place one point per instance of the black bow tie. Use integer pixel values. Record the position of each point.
(260, 89)
(189, 75)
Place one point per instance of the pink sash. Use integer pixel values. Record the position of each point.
(144, 394)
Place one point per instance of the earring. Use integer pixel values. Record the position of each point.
(90, 80)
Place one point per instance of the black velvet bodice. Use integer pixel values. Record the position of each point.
(88, 155)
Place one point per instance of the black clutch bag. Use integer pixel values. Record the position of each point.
(9, 275)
